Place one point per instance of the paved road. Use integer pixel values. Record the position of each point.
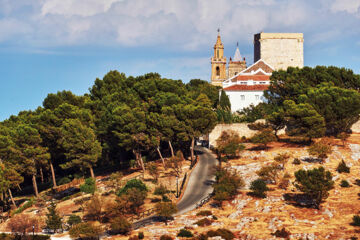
(199, 186)
(200, 182)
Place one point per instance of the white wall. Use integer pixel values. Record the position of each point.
(237, 104)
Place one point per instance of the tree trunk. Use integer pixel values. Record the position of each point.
(192, 149)
(92, 172)
(142, 163)
(53, 174)
(41, 175)
(18, 185)
(35, 186)
(162, 159)
(12, 199)
(171, 148)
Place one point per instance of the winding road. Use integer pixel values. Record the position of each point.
(199, 185)
(200, 182)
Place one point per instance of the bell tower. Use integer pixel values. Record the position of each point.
(218, 63)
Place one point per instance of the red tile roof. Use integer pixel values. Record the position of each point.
(258, 87)
(259, 64)
(251, 77)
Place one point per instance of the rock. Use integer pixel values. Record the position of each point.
(328, 213)
(267, 209)
(244, 221)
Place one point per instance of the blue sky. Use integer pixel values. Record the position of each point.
(52, 45)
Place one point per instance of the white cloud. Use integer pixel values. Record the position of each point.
(350, 6)
(181, 24)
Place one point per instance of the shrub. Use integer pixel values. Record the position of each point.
(135, 198)
(141, 235)
(263, 138)
(269, 173)
(344, 184)
(89, 186)
(185, 233)
(296, 161)
(85, 230)
(342, 167)
(221, 232)
(357, 182)
(23, 224)
(227, 184)
(64, 180)
(165, 209)
(94, 207)
(26, 205)
(281, 233)
(166, 237)
(204, 213)
(161, 190)
(259, 188)
(321, 149)
(74, 219)
(204, 222)
(133, 183)
(153, 171)
(120, 225)
(356, 220)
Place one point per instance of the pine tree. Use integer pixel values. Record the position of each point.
(224, 101)
(53, 221)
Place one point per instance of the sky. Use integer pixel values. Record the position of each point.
(53, 45)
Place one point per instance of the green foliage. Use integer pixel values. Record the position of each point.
(264, 137)
(161, 190)
(296, 161)
(133, 183)
(204, 222)
(153, 170)
(303, 120)
(204, 213)
(64, 180)
(224, 102)
(259, 188)
(229, 143)
(53, 221)
(342, 167)
(316, 183)
(185, 233)
(141, 235)
(73, 220)
(166, 237)
(89, 186)
(221, 232)
(269, 173)
(120, 225)
(26, 205)
(320, 149)
(165, 209)
(253, 113)
(227, 184)
(135, 198)
(356, 220)
(344, 184)
(85, 230)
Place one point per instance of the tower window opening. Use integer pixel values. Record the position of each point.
(217, 71)
(217, 53)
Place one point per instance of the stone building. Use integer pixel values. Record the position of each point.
(280, 50)
(245, 86)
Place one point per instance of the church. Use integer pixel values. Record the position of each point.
(245, 85)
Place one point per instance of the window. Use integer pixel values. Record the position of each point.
(257, 97)
(242, 97)
(217, 53)
(217, 71)
(235, 73)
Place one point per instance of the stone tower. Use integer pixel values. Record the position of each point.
(280, 50)
(237, 64)
(218, 63)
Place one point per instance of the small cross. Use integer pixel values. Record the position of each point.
(218, 30)
(237, 44)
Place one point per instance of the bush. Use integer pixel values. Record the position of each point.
(269, 173)
(141, 235)
(85, 230)
(74, 219)
(166, 237)
(357, 182)
(204, 222)
(133, 183)
(221, 232)
(64, 180)
(356, 221)
(281, 233)
(26, 205)
(120, 225)
(227, 184)
(204, 213)
(296, 161)
(185, 233)
(161, 190)
(342, 167)
(344, 184)
(89, 186)
(259, 188)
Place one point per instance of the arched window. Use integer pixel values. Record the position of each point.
(217, 53)
(217, 71)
